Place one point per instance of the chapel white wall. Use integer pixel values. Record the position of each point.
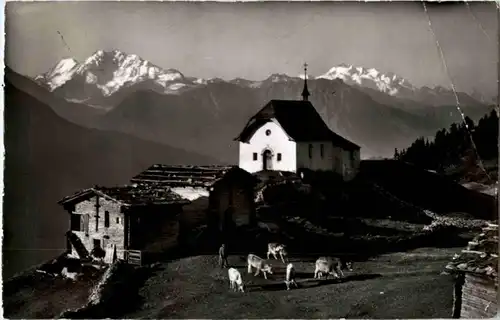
(278, 142)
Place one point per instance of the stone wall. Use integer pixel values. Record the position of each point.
(92, 218)
(479, 297)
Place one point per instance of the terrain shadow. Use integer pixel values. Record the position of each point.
(354, 277)
(120, 295)
(312, 283)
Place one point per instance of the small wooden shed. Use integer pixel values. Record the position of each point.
(228, 192)
(476, 271)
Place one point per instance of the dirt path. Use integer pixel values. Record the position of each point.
(398, 285)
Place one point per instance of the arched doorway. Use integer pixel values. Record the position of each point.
(267, 160)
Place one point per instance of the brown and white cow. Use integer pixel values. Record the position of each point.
(331, 266)
(275, 248)
(258, 263)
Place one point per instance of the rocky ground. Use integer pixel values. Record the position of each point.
(37, 295)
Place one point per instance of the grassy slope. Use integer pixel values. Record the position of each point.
(425, 189)
(399, 285)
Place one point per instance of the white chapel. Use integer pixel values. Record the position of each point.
(290, 135)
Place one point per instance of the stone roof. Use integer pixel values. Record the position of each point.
(139, 195)
(192, 176)
(480, 256)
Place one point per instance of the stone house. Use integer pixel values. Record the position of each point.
(120, 219)
(290, 135)
(222, 196)
(476, 275)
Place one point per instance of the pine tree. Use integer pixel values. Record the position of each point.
(453, 146)
(396, 154)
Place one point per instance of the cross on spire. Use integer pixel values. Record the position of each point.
(305, 91)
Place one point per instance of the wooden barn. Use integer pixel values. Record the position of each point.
(476, 271)
(125, 221)
(222, 196)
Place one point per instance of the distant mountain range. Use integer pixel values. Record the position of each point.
(101, 77)
(123, 92)
(48, 158)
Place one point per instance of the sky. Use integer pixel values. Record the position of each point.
(254, 40)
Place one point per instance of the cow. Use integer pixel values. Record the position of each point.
(223, 256)
(290, 276)
(259, 264)
(331, 266)
(235, 281)
(274, 248)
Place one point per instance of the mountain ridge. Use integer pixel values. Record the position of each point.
(127, 70)
(207, 118)
(216, 109)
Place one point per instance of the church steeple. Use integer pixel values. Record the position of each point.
(305, 92)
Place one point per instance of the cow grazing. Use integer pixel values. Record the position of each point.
(341, 264)
(290, 276)
(324, 265)
(331, 266)
(277, 248)
(259, 264)
(223, 256)
(235, 281)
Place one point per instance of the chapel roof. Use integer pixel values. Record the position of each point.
(299, 119)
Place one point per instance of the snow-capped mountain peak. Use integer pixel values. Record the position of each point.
(278, 77)
(60, 73)
(110, 71)
(104, 73)
(368, 77)
(65, 65)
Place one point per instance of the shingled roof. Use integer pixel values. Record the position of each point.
(139, 195)
(480, 256)
(299, 119)
(191, 176)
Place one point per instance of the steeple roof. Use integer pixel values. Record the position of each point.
(305, 91)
